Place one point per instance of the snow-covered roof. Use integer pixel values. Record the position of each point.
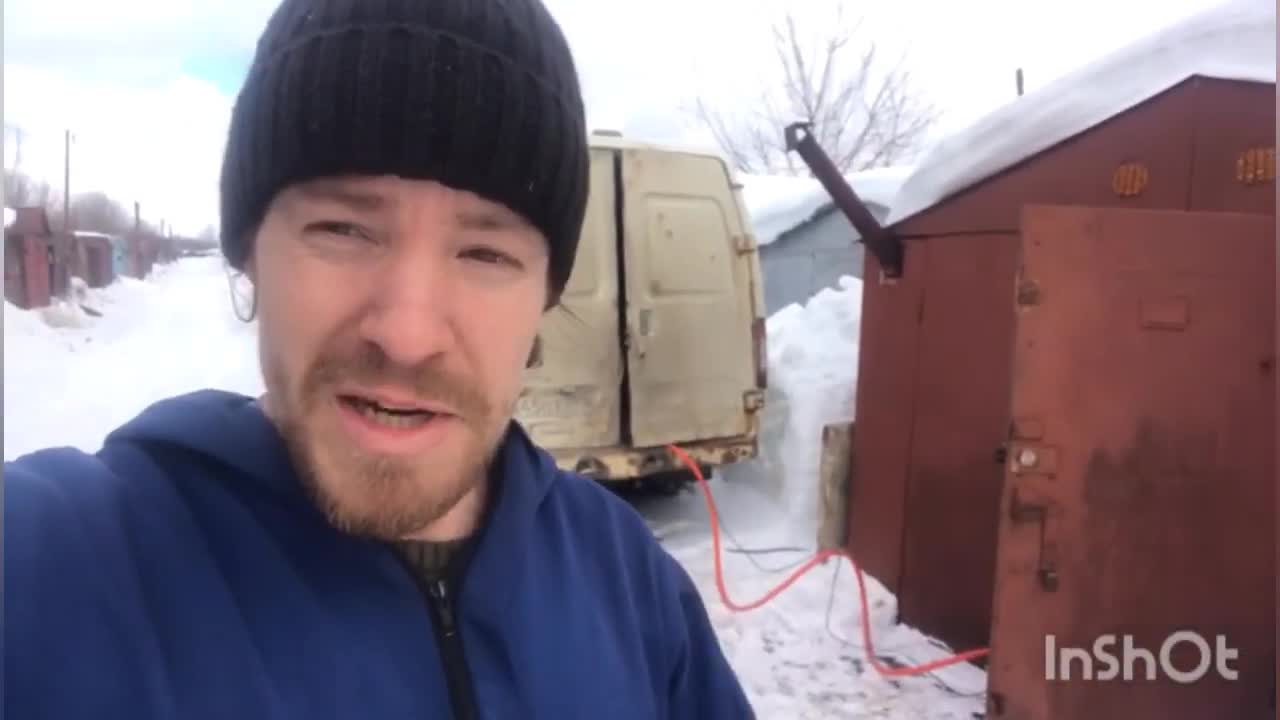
(1232, 41)
(778, 204)
(92, 235)
(10, 215)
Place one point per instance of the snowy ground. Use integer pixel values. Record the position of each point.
(70, 378)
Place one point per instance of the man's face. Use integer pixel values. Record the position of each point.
(396, 318)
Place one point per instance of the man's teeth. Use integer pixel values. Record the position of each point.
(399, 419)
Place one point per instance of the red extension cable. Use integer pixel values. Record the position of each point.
(883, 670)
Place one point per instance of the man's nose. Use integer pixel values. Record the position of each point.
(412, 314)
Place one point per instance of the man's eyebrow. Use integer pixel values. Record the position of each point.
(342, 194)
(490, 218)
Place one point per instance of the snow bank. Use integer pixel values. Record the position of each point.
(1236, 41)
(170, 334)
(20, 324)
(796, 658)
(813, 363)
(777, 204)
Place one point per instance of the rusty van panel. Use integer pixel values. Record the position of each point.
(690, 288)
(1141, 158)
(1139, 485)
(1235, 147)
(883, 411)
(573, 385)
(960, 421)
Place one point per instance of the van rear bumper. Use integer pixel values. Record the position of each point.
(613, 464)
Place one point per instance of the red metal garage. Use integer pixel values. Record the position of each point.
(1065, 417)
(28, 261)
(94, 252)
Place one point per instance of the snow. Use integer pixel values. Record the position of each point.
(171, 333)
(9, 216)
(799, 656)
(778, 203)
(1232, 41)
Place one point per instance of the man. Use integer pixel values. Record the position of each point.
(404, 184)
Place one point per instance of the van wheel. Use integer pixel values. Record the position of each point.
(664, 484)
(671, 483)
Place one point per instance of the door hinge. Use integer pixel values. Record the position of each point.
(1023, 512)
(744, 244)
(753, 400)
(1032, 459)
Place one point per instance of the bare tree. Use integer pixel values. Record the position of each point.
(22, 190)
(97, 212)
(863, 115)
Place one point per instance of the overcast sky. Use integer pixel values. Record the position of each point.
(147, 85)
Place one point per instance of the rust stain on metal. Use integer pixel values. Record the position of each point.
(958, 411)
(1130, 179)
(887, 381)
(1164, 496)
(1028, 293)
(1160, 460)
(1027, 428)
(1256, 166)
(1165, 313)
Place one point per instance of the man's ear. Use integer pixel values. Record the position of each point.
(244, 290)
(535, 354)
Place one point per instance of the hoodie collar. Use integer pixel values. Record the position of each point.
(233, 431)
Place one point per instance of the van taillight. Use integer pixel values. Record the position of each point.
(760, 344)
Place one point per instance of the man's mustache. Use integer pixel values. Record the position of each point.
(368, 365)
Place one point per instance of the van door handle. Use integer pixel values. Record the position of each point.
(643, 328)
(645, 321)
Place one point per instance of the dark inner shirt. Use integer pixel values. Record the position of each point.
(428, 560)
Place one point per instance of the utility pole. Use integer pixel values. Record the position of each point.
(135, 241)
(1018, 79)
(66, 185)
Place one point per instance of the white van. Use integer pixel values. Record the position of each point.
(660, 338)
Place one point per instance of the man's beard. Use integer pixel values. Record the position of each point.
(370, 494)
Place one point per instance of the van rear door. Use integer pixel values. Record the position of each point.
(689, 299)
(572, 392)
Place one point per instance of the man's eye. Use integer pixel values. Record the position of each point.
(487, 255)
(341, 229)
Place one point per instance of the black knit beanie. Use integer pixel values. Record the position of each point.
(480, 95)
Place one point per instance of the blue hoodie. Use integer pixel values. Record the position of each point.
(182, 572)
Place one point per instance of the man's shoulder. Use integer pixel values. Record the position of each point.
(594, 508)
(604, 526)
(68, 492)
(53, 481)
(69, 476)
(619, 559)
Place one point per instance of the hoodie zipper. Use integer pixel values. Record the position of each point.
(461, 693)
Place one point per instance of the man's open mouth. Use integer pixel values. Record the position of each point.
(400, 418)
